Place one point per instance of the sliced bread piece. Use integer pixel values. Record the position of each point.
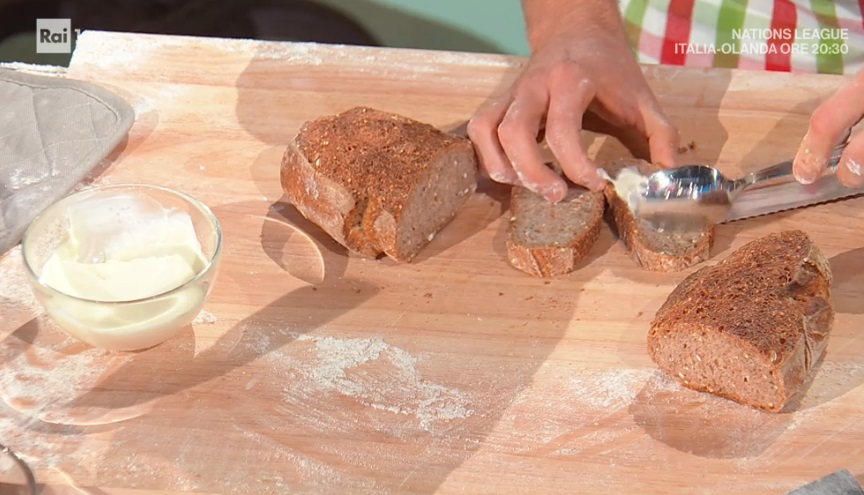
(651, 247)
(547, 239)
(378, 182)
(751, 327)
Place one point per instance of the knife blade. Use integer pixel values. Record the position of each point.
(788, 194)
(837, 483)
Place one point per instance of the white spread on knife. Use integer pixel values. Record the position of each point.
(143, 253)
(627, 184)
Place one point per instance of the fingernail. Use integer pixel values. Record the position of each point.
(532, 186)
(599, 181)
(854, 167)
(808, 167)
(504, 178)
(598, 186)
(804, 179)
(555, 192)
(521, 178)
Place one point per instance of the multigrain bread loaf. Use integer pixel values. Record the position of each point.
(378, 182)
(652, 248)
(547, 239)
(751, 327)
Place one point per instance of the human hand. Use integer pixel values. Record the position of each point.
(568, 75)
(831, 122)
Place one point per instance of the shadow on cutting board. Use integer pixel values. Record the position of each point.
(302, 396)
(386, 415)
(413, 384)
(846, 289)
(702, 424)
(685, 419)
(486, 206)
(169, 378)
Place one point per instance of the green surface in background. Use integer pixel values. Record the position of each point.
(490, 26)
(495, 26)
(22, 48)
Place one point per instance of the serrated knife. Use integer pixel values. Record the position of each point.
(783, 192)
(685, 197)
(837, 483)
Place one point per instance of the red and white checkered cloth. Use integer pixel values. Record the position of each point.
(817, 36)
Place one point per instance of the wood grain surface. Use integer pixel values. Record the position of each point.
(314, 372)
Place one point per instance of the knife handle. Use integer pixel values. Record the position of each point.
(782, 172)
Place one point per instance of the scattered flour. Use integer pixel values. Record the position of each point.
(594, 439)
(38, 70)
(20, 177)
(43, 416)
(606, 389)
(40, 447)
(305, 468)
(204, 318)
(832, 380)
(661, 382)
(130, 51)
(260, 345)
(379, 376)
(43, 380)
(295, 53)
(584, 402)
(46, 381)
(16, 296)
(309, 53)
(133, 50)
(407, 60)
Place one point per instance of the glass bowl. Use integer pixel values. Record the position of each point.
(16, 478)
(123, 267)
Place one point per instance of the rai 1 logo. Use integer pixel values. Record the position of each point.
(54, 35)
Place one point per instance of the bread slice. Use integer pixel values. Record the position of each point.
(751, 327)
(547, 239)
(378, 182)
(651, 247)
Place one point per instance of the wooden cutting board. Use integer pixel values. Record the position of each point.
(314, 372)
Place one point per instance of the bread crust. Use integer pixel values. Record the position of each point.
(633, 233)
(353, 174)
(324, 202)
(550, 260)
(768, 304)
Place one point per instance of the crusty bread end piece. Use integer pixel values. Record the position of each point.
(751, 327)
(547, 239)
(378, 182)
(650, 247)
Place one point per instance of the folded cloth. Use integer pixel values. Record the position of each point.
(53, 133)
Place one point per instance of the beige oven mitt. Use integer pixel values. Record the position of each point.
(53, 133)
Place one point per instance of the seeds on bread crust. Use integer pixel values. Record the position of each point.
(378, 182)
(751, 327)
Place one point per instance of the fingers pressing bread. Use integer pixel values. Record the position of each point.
(564, 128)
(505, 132)
(518, 135)
(570, 72)
(483, 131)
